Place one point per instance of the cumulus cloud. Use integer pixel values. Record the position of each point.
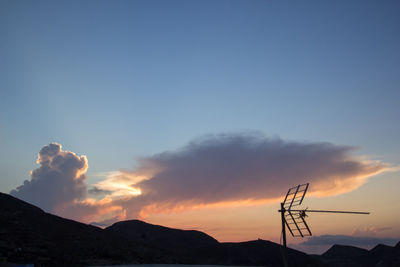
(236, 168)
(58, 181)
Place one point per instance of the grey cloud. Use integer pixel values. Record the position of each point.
(59, 180)
(96, 191)
(233, 167)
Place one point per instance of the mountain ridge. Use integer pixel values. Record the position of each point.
(30, 235)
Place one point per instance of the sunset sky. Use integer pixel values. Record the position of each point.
(201, 114)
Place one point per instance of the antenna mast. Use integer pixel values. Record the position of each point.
(294, 219)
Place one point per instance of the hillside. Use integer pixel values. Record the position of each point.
(194, 247)
(349, 256)
(30, 235)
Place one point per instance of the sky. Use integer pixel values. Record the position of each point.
(201, 114)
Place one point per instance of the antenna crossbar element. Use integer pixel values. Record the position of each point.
(331, 211)
(296, 224)
(295, 196)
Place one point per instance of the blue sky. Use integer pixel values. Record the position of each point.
(117, 80)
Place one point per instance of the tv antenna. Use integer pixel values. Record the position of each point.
(294, 219)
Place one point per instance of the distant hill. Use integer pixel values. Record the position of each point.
(349, 256)
(388, 256)
(178, 244)
(195, 247)
(163, 236)
(30, 235)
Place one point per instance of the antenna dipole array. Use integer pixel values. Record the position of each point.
(294, 219)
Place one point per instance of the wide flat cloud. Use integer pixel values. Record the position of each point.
(59, 180)
(237, 168)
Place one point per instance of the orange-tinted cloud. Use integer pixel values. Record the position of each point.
(239, 168)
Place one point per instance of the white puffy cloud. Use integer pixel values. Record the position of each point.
(59, 180)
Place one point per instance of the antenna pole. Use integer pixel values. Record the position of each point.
(283, 225)
(284, 253)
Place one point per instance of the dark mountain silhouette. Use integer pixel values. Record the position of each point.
(382, 251)
(30, 235)
(163, 236)
(181, 245)
(194, 247)
(346, 256)
(349, 256)
(388, 256)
